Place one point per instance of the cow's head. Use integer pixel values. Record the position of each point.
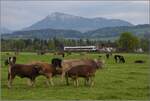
(99, 63)
(10, 60)
(56, 62)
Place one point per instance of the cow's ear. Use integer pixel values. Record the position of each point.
(9, 58)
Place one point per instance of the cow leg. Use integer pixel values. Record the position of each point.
(120, 59)
(47, 82)
(50, 79)
(67, 81)
(115, 59)
(86, 81)
(10, 80)
(77, 82)
(31, 82)
(62, 76)
(92, 81)
(74, 82)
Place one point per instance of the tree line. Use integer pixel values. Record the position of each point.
(127, 42)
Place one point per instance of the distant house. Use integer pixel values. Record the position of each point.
(107, 49)
(139, 50)
(80, 48)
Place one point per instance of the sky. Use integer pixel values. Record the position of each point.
(16, 15)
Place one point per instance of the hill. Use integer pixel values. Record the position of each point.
(44, 34)
(139, 30)
(102, 33)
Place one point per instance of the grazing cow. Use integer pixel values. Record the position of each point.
(107, 55)
(41, 53)
(139, 61)
(85, 71)
(99, 56)
(119, 58)
(122, 60)
(68, 64)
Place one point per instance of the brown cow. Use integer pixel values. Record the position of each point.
(22, 70)
(85, 71)
(68, 64)
(47, 70)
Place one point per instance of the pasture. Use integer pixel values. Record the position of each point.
(128, 81)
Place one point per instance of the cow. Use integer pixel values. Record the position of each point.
(119, 58)
(107, 55)
(68, 64)
(49, 70)
(22, 70)
(85, 71)
(139, 61)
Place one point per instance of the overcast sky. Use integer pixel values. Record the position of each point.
(16, 15)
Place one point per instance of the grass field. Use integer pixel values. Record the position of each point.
(127, 81)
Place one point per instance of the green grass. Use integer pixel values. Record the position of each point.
(127, 81)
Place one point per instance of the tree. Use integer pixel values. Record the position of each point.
(128, 42)
(19, 45)
(145, 44)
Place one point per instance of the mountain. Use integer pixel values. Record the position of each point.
(58, 20)
(4, 30)
(102, 33)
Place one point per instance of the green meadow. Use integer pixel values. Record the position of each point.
(116, 81)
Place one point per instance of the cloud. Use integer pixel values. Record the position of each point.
(20, 14)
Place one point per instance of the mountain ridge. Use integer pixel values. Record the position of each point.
(59, 20)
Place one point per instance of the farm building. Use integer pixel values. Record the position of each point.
(139, 50)
(80, 48)
(107, 49)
